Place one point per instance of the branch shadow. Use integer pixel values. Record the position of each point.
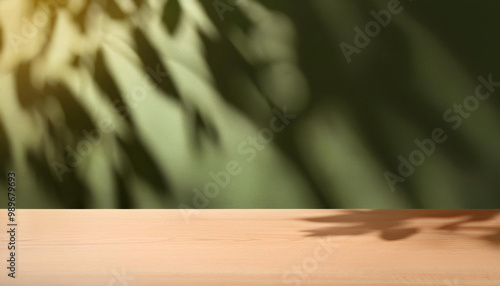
(393, 225)
(324, 68)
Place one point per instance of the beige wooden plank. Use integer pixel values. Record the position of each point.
(254, 247)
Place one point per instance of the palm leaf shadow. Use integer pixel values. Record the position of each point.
(143, 164)
(107, 84)
(153, 66)
(172, 15)
(71, 192)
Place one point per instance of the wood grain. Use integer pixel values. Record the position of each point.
(255, 247)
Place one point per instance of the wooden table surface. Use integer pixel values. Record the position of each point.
(254, 247)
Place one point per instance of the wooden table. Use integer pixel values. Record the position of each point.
(254, 247)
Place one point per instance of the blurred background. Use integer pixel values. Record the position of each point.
(248, 104)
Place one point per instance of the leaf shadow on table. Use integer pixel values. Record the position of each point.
(392, 225)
